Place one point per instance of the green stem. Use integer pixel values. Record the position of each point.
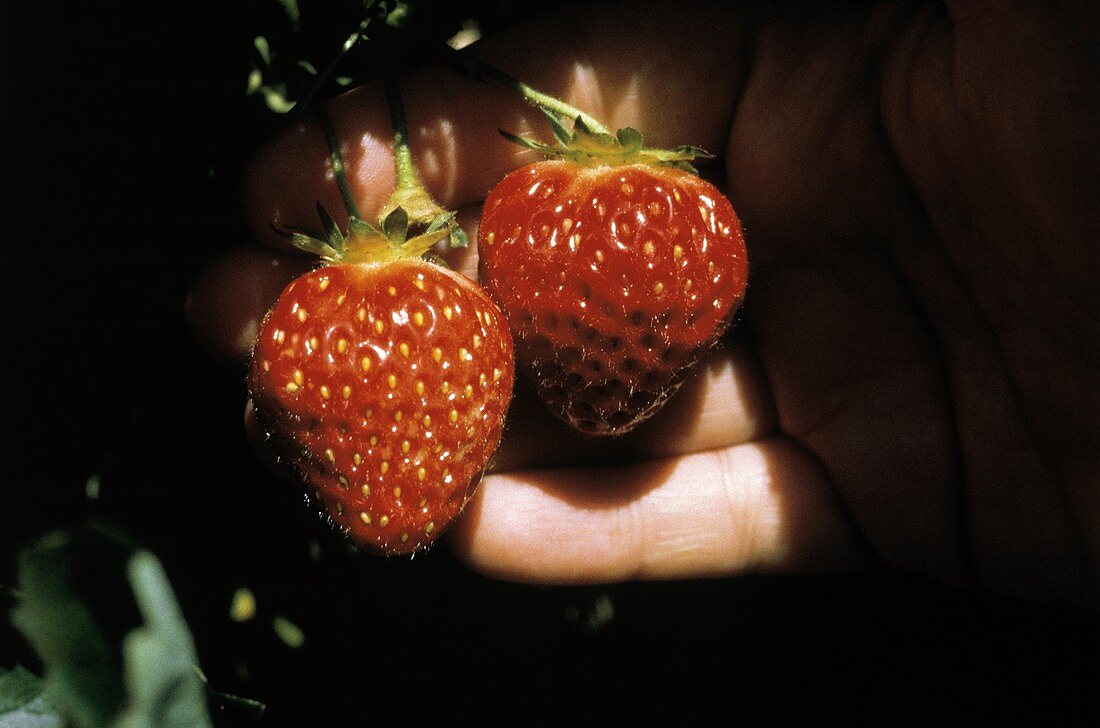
(407, 178)
(337, 161)
(540, 99)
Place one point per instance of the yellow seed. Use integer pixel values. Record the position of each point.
(418, 318)
(365, 489)
(423, 502)
(379, 326)
(392, 291)
(420, 387)
(427, 420)
(453, 416)
(343, 481)
(430, 527)
(574, 242)
(340, 299)
(291, 387)
(404, 537)
(497, 374)
(406, 446)
(342, 345)
(677, 252)
(437, 354)
(658, 287)
(463, 355)
(346, 391)
(280, 336)
(314, 343)
(266, 365)
(628, 189)
(419, 282)
(469, 390)
(364, 517)
(384, 521)
(490, 238)
(687, 285)
(299, 378)
(392, 381)
(421, 473)
(676, 194)
(398, 415)
(477, 341)
(649, 248)
(325, 393)
(365, 363)
(384, 467)
(599, 256)
(361, 314)
(404, 349)
(482, 379)
(397, 492)
(302, 315)
(357, 459)
(373, 440)
(322, 284)
(449, 312)
(369, 412)
(445, 387)
(330, 455)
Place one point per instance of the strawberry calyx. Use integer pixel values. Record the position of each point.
(410, 222)
(591, 147)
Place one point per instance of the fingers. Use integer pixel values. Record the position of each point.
(653, 74)
(751, 508)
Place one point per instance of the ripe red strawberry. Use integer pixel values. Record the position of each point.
(384, 386)
(615, 275)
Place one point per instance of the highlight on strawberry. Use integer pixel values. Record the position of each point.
(382, 379)
(616, 266)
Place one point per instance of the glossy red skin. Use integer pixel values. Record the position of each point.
(609, 324)
(361, 449)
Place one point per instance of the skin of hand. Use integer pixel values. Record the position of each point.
(912, 380)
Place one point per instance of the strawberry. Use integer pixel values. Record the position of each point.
(385, 387)
(383, 379)
(616, 267)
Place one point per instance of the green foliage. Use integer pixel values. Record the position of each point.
(23, 703)
(149, 681)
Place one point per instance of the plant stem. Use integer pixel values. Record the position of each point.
(407, 178)
(337, 161)
(540, 99)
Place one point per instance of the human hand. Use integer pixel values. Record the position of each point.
(911, 380)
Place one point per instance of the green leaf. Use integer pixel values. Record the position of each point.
(459, 238)
(360, 227)
(83, 676)
(630, 139)
(560, 132)
(396, 226)
(23, 702)
(333, 235)
(528, 143)
(447, 219)
(148, 682)
(163, 689)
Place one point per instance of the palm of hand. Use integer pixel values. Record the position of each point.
(909, 379)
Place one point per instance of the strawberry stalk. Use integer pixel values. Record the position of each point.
(410, 222)
(337, 162)
(544, 101)
(589, 142)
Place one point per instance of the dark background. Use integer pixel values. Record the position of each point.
(122, 128)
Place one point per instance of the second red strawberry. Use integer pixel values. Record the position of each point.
(615, 279)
